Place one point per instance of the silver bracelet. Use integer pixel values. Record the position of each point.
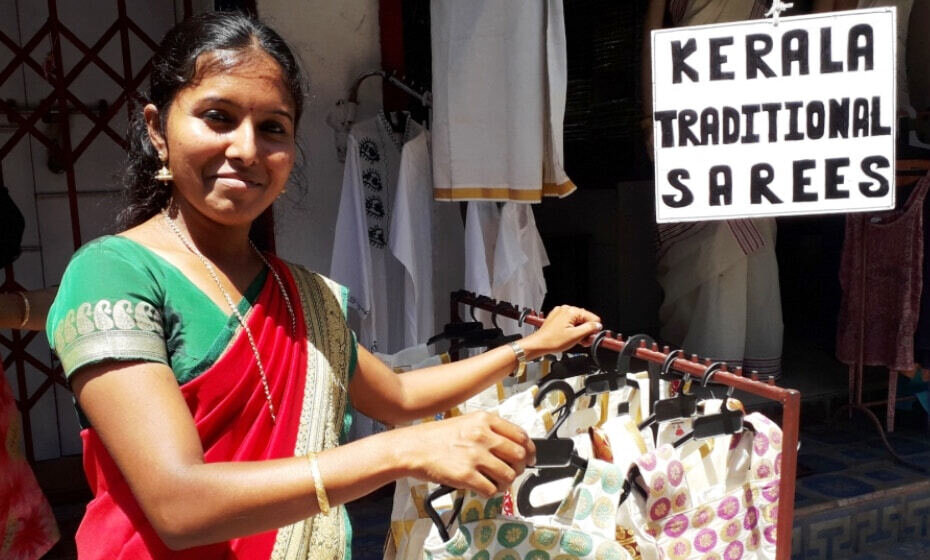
(521, 359)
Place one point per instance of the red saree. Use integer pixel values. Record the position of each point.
(307, 374)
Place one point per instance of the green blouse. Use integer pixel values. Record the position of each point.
(118, 300)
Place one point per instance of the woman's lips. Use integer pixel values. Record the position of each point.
(236, 181)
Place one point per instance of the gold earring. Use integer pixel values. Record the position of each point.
(164, 174)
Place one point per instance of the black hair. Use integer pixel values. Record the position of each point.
(174, 67)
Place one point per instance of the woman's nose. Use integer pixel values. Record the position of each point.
(242, 146)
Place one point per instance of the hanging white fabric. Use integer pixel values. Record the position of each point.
(504, 255)
(395, 249)
(499, 83)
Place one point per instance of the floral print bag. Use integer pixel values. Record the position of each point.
(583, 528)
(734, 519)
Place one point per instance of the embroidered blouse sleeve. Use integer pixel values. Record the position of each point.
(107, 308)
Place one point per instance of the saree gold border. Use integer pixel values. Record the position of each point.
(113, 344)
(322, 413)
(560, 190)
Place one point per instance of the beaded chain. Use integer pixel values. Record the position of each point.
(206, 263)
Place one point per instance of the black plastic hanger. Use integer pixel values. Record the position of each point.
(617, 378)
(681, 406)
(709, 425)
(434, 515)
(544, 476)
(452, 331)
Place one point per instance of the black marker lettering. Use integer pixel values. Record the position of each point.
(801, 180)
(679, 66)
(761, 176)
(833, 179)
(718, 59)
(675, 177)
(720, 178)
(868, 165)
(757, 46)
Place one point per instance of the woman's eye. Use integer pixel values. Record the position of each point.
(216, 116)
(274, 127)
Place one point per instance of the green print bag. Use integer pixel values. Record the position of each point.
(583, 528)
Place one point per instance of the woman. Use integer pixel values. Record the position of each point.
(215, 378)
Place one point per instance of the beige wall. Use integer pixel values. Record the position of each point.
(336, 42)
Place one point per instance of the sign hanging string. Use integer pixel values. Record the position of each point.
(777, 8)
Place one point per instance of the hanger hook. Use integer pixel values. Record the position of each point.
(669, 360)
(523, 316)
(629, 350)
(471, 311)
(596, 344)
(712, 371)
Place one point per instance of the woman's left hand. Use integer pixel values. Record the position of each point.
(564, 327)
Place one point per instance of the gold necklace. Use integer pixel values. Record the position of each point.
(206, 263)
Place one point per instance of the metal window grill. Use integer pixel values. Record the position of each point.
(68, 145)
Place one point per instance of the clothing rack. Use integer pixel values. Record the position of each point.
(790, 399)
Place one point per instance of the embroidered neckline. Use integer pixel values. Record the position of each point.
(397, 139)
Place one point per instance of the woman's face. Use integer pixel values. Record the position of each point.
(229, 139)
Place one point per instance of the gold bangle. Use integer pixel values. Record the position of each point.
(26, 309)
(321, 498)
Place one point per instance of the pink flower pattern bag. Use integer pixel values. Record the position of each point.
(732, 520)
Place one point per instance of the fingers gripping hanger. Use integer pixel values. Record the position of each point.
(556, 457)
(580, 364)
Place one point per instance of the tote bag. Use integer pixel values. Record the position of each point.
(583, 528)
(733, 519)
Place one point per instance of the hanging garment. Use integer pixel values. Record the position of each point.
(27, 524)
(922, 334)
(582, 528)
(499, 86)
(734, 517)
(721, 302)
(397, 251)
(505, 256)
(722, 296)
(882, 293)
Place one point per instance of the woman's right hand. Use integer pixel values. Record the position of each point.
(479, 451)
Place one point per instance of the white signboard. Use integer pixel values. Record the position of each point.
(757, 119)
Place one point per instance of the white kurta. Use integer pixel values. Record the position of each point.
(499, 86)
(391, 237)
(505, 255)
